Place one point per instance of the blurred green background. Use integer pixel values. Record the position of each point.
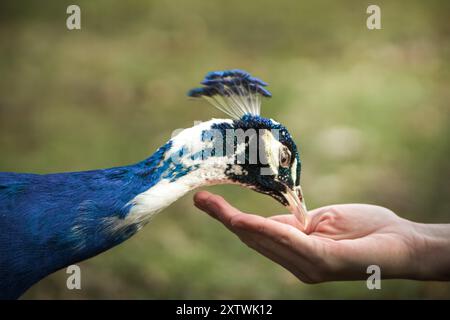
(369, 109)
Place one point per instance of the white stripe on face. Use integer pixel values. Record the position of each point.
(294, 171)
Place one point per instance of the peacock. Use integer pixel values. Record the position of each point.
(51, 221)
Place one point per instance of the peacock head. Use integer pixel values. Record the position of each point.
(249, 150)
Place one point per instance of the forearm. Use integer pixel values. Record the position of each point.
(432, 252)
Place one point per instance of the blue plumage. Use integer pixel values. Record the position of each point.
(227, 82)
(51, 221)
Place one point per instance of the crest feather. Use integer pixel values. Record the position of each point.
(234, 92)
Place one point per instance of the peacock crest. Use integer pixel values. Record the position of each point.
(234, 92)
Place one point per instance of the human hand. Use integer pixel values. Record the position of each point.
(340, 242)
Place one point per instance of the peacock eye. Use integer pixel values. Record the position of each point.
(285, 157)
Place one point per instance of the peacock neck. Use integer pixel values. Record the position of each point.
(81, 214)
(68, 217)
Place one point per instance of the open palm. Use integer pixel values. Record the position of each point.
(340, 242)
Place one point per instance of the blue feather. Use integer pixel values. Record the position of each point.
(54, 220)
(237, 81)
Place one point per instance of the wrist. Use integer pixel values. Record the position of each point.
(431, 251)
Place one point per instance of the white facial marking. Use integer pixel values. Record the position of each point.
(272, 151)
(294, 171)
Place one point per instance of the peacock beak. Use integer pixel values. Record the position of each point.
(296, 204)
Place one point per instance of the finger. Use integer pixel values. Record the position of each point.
(284, 234)
(287, 219)
(216, 206)
(236, 221)
(222, 211)
(277, 253)
(318, 212)
(201, 201)
(261, 235)
(317, 215)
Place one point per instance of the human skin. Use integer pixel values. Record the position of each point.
(340, 241)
